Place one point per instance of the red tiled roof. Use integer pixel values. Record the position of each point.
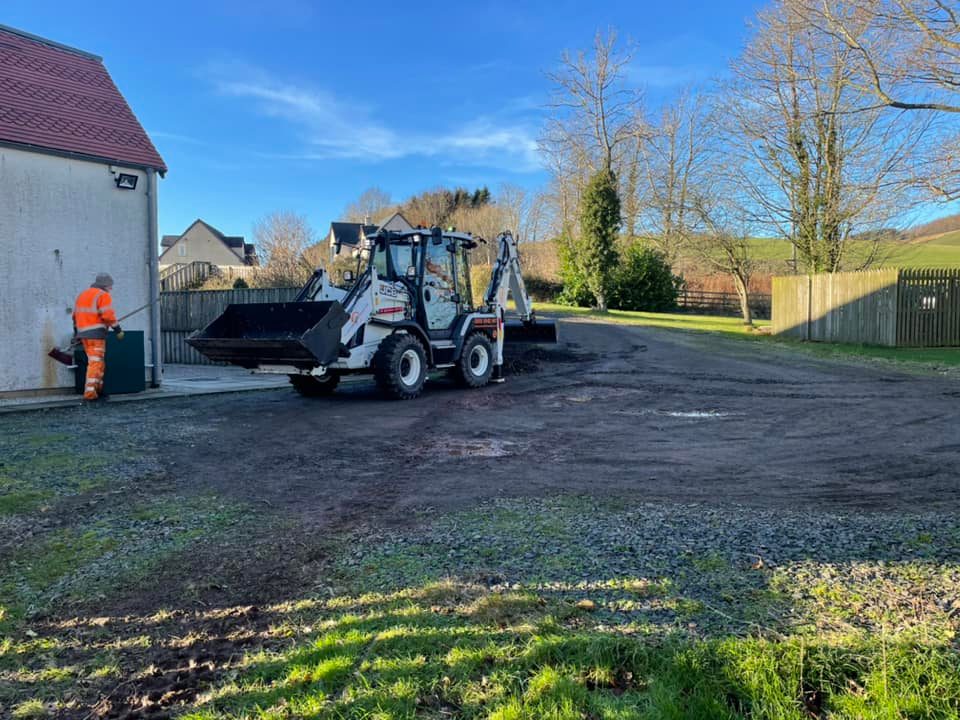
(61, 99)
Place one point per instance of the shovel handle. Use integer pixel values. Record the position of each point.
(142, 307)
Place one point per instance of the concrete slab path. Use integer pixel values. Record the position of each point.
(178, 381)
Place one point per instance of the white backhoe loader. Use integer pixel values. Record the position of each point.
(407, 310)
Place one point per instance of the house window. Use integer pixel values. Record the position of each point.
(182, 249)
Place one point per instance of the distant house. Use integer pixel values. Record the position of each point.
(350, 235)
(203, 242)
(78, 196)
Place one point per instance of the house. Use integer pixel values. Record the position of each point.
(78, 196)
(351, 234)
(203, 242)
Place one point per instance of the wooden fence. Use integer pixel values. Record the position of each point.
(184, 312)
(724, 303)
(902, 308)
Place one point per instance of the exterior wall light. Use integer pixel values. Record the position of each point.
(126, 182)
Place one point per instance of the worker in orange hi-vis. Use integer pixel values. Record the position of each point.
(93, 316)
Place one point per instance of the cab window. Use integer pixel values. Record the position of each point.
(380, 261)
(440, 266)
(464, 284)
(402, 257)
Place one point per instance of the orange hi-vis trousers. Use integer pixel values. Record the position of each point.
(96, 351)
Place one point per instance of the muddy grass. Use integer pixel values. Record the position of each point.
(629, 514)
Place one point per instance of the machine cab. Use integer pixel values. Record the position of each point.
(434, 268)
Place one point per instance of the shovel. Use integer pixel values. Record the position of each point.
(65, 356)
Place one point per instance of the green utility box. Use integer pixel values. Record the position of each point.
(125, 365)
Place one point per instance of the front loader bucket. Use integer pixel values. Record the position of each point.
(535, 331)
(301, 334)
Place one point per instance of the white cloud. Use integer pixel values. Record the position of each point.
(174, 137)
(332, 127)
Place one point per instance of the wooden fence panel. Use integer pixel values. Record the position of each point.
(858, 307)
(790, 306)
(184, 312)
(929, 308)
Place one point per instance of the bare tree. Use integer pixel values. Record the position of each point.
(817, 172)
(431, 207)
(283, 238)
(486, 221)
(372, 205)
(720, 235)
(594, 124)
(524, 212)
(673, 156)
(906, 54)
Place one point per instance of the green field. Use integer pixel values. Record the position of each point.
(942, 252)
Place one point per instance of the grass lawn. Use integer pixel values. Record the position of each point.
(731, 327)
(453, 651)
(404, 632)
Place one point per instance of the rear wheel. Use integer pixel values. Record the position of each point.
(400, 366)
(313, 386)
(475, 366)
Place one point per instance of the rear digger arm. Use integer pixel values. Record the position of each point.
(507, 280)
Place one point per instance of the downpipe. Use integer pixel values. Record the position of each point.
(153, 242)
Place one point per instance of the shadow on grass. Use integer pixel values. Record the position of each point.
(455, 650)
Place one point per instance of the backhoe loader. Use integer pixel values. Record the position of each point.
(405, 311)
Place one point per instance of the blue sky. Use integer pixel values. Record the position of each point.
(301, 105)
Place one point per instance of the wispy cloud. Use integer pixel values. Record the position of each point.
(332, 127)
(174, 137)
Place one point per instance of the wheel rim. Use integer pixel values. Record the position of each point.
(479, 360)
(410, 367)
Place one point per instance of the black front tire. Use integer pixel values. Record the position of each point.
(400, 366)
(475, 367)
(312, 386)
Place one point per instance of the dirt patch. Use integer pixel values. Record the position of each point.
(523, 359)
(164, 661)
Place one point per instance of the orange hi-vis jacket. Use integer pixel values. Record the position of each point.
(93, 314)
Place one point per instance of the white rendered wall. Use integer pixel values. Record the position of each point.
(61, 222)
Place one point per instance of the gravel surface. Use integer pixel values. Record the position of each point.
(655, 567)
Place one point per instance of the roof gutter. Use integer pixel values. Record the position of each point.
(42, 149)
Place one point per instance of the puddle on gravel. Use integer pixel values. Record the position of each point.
(684, 414)
(696, 414)
(473, 448)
